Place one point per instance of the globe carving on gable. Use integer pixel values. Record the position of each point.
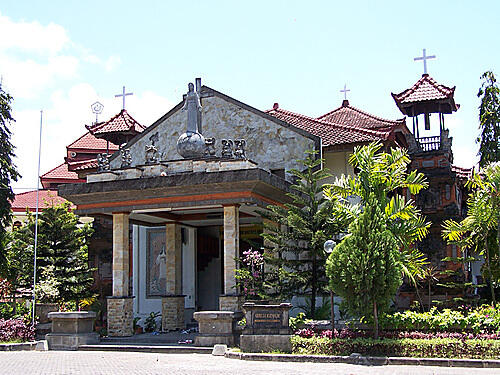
(191, 145)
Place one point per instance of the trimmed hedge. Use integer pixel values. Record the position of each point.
(420, 348)
(481, 319)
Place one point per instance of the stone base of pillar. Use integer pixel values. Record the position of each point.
(172, 313)
(120, 316)
(230, 303)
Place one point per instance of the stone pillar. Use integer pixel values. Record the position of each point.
(120, 305)
(229, 301)
(172, 306)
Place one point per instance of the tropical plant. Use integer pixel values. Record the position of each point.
(385, 176)
(8, 170)
(150, 323)
(364, 268)
(489, 120)
(480, 230)
(62, 254)
(295, 234)
(429, 275)
(250, 276)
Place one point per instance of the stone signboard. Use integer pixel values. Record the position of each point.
(266, 328)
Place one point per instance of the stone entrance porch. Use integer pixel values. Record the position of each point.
(222, 193)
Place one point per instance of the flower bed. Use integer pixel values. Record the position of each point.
(16, 330)
(421, 348)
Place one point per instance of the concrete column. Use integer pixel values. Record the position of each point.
(174, 259)
(172, 307)
(230, 300)
(231, 247)
(120, 254)
(120, 305)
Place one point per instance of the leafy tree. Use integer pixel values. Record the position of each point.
(62, 254)
(296, 233)
(489, 120)
(383, 176)
(364, 268)
(480, 230)
(8, 171)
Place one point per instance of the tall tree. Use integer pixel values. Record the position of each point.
(489, 120)
(8, 170)
(384, 175)
(480, 230)
(296, 233)
(62, 253)
(364, 268)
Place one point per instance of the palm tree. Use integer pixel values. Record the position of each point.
(384, 174)
(480, 230)
(430, 275)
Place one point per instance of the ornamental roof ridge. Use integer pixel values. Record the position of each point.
(346, 105)
(116, 124)
(382, 133)
(443, 92)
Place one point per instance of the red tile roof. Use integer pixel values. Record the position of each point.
(89, 142)
(83, 165)
(60, 172)
(121, 122)
(330, 133)
(426, 88)
(462, 172)
(351, 116)
(27, 200)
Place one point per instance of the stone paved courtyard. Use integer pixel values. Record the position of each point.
(58, 362)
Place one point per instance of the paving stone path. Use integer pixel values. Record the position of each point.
(109, 363)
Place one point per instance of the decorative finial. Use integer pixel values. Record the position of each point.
(424, 58)
(97, 108)
(123, 95)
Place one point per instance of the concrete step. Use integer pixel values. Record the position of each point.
(172, 349)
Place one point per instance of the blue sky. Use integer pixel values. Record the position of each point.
(61, 56)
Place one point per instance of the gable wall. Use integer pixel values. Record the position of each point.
(269, 144)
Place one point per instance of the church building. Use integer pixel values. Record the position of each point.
(183, 195)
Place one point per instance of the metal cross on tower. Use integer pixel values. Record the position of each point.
(345, 90)
(123, 95)
(424, 57)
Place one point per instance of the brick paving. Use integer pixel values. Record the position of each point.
(109, 363)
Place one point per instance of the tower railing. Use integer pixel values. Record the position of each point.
(430, 143)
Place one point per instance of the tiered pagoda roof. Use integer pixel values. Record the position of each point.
(118, 130)
(426, 96)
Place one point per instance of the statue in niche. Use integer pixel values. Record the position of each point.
(227, 148)
(191, 144)
(152, 150)
(103, 162)
(239, 149)
(161, 270)
(126, 158)
(210, 146)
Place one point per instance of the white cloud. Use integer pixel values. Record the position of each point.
(112, 62)
(32, 36)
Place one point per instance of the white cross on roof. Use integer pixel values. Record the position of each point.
(345, 90)
(123, 94)
(424, 57)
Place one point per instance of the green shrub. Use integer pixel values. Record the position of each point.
(483, 318)
(421, 348)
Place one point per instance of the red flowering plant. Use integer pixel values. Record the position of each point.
(250, 275)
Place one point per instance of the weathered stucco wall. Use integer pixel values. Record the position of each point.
(338, 164)
(269, 144)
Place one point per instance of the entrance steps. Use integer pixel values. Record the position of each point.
(143, 348)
